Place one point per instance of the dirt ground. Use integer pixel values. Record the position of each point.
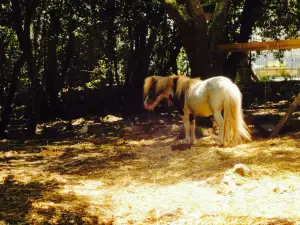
(135, 171)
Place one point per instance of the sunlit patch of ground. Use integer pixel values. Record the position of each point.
(147, 177)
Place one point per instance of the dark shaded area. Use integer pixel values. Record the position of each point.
(16, 199)
(87, 165)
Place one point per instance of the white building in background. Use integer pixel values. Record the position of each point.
(267, 65)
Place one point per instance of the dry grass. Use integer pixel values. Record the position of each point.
(146, 177)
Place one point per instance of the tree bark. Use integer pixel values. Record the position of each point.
(51, 74)
(217, 34)
(112, 43)
(7, 106)
(172, 61)
(138, 63)
(26, 47)
(69, 51)
(194, 35)
(249, 16)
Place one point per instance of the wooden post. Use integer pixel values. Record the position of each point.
(259, 46)
(288, 113)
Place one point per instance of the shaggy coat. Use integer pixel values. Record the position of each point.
(196, 97)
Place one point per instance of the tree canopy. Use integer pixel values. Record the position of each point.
(50, 50)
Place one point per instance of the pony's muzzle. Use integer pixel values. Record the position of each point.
(147, 106)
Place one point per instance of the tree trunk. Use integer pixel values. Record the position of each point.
(111, 43)
(129, 64)
(69, 51)
(172, 61)
(23, 33)
(143, 60)
(2, 79)
(249, 16)
(217, 34)
(193, 32)
(51, 74)
(7, 106)
(138, 65)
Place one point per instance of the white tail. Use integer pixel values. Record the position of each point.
(235, 128)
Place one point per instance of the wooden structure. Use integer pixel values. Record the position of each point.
(287, 115)
(259, 46)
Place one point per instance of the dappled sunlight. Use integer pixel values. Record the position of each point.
(149, 179)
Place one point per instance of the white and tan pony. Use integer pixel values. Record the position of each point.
(196, 97)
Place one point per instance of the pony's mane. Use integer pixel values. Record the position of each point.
(162, 83)
(184, 83)
(165, 83)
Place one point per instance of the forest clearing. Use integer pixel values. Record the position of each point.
(141, 174)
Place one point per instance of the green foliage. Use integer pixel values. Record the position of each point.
(183, 63)
(98, 76)
(107, 42)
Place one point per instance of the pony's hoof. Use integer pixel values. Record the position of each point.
(193, 141)
(185, 141)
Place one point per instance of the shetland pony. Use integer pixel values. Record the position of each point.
(196, 97)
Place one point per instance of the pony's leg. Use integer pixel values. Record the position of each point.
(186, 124)
(192, 128)
(220, 122)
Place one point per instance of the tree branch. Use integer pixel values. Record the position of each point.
(175, 12)
(195, 9)
(217, 27)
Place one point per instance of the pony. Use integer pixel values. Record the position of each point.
(195, 97)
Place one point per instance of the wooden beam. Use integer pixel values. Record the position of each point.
(288, 113)
(259, 46)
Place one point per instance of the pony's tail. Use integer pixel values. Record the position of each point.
(235, 128)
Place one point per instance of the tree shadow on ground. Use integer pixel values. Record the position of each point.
(168, 163)
(82, 166)
(42, 203)
(17, 198)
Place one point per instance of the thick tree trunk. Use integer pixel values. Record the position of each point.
(193, 32)
(217, 34)
(23, 33)
(249, 16)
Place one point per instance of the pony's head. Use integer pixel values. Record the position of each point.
(157, 88)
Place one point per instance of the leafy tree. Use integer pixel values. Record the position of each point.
(54, 51)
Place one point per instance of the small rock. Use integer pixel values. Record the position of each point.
(78, 122)
(111, 119)
(243, 170)
(235, 177)
(10, 154)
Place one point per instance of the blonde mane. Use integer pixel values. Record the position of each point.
(166, 83)
(162, 83)
(184, 83)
